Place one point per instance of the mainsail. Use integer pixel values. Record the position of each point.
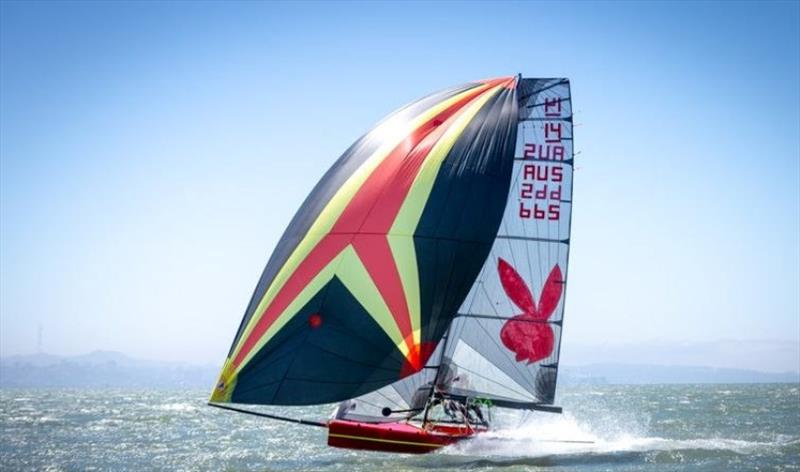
(373, 267)
(503, 345)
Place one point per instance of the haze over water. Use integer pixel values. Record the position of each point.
(649, 427)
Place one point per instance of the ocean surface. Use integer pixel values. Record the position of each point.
(644, 427)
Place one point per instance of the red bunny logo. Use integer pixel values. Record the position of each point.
(522, 334)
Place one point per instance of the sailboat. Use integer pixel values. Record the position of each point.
(421, 284)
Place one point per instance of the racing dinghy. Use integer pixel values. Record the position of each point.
(421, 284)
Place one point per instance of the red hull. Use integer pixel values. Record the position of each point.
(395, 437)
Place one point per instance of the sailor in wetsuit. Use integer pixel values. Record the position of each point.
(475, 409)
(457, 410)
(454, 408)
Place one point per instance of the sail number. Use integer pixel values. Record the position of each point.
(542, 184)
(540, 189)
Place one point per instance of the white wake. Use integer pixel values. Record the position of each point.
(554, 435)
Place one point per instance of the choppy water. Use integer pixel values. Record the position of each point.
(676, 427)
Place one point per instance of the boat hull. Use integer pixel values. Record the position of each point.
(395, 437)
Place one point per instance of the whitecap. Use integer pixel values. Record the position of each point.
(185, 407)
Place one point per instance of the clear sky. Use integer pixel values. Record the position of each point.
(152, 154)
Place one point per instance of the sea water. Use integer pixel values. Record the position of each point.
(653, 427)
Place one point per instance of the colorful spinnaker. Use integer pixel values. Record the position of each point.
(373, 268)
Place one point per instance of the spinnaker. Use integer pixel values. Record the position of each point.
(427, 266)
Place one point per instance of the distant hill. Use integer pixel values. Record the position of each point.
(113, 369)
(101, 369)
(660, 374)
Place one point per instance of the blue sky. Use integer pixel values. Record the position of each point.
(152, 154)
